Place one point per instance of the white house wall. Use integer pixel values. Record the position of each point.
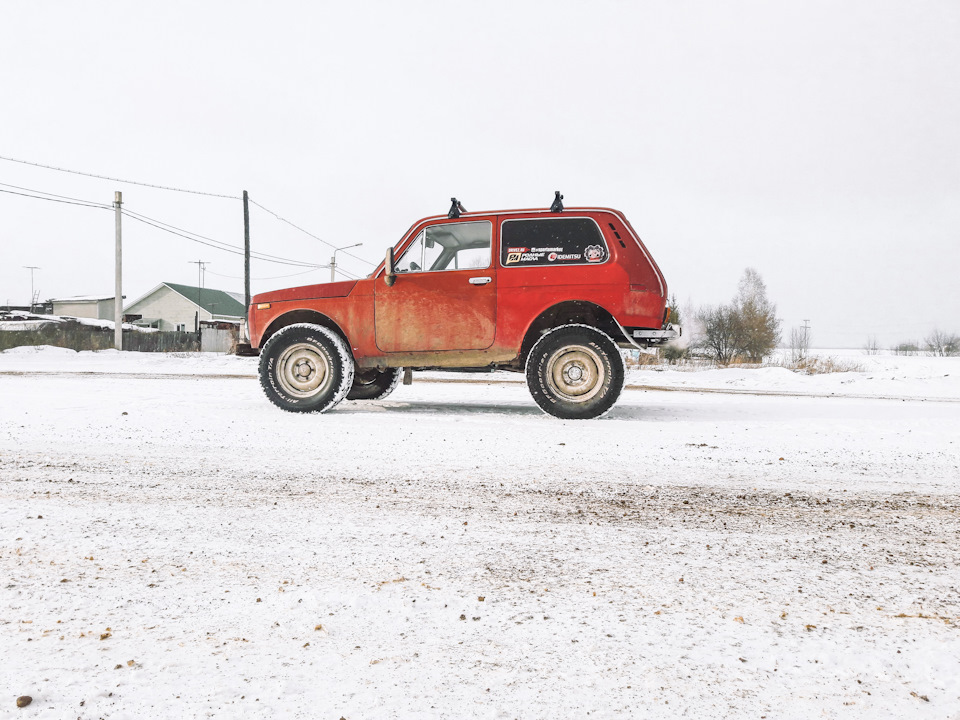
(105, 309)
(171, 307)
(77, 309)
(98, 309)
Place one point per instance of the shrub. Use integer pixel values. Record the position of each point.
(823, 365)
(906, 348)
(673, 354)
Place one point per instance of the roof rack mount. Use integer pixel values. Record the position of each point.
(456, 207)
(557, 202)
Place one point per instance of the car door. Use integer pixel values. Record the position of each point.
(445, 294)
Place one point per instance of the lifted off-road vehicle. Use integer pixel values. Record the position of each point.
(550, 293)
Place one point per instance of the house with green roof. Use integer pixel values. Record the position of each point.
(171, 306)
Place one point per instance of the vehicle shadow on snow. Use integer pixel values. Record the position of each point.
(645, 413)
(434, 408)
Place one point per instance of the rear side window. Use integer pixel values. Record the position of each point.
(551, 241)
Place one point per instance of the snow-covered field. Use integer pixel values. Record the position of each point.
(174, 546)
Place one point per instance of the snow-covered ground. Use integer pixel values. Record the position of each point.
(888, 376)
(174, 546)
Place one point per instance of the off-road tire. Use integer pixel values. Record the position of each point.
(306, 368)
(575, 372)
(373, 384)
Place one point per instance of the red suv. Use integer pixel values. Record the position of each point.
(551, 293)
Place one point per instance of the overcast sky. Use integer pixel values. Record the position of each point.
(818, 142)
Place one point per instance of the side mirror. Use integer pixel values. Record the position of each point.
(389, 275)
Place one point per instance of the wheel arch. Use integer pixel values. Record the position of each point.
(303, 316)
(570, 312)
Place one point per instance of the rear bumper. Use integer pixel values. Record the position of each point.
(644, 337)
(655, 337)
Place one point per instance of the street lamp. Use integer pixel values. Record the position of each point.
(333, 260)
(31, 268)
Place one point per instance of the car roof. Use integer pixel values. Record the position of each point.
(526, 211)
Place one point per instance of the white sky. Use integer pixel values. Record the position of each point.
(818, 142)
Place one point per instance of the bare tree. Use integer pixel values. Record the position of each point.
(941, 344)
(799, 344)
(871, 347)
(720, 328)
(757, 322)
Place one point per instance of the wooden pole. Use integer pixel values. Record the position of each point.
(118, 278)
(246, 257)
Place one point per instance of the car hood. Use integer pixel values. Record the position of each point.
(307, 292)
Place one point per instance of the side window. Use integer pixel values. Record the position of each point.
(472, 259)
(551, 241)
(451, 246)
(412, 259)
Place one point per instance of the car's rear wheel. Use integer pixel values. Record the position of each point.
(373, 384)
(306, 368)
(575, 372)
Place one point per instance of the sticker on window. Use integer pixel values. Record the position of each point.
(554, 241)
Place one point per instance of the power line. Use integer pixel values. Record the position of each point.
(273, 277)
(74, 201)
(54, 195)
(215, 243)
(306, 232)
(113, 179)
(159, 224)
(346, 274)
(81, 203)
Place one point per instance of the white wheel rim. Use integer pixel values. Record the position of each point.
(303, 371)
(575, 373)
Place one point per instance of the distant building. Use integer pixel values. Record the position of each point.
(38, 308)
(172, 307)
(98, 307)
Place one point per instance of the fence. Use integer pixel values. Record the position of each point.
(73, 335)
(219, 339)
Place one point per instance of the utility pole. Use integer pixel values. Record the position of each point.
(118, 277)
(806, 334)
(31, 268)
(246, 259)
(333, 260)
(201, 264)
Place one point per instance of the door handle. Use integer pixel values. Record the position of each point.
(480, 280)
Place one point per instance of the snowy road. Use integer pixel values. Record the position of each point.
(453, 552)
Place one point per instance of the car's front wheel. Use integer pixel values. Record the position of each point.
(306, 368)
(575, 372)
(373, 384)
